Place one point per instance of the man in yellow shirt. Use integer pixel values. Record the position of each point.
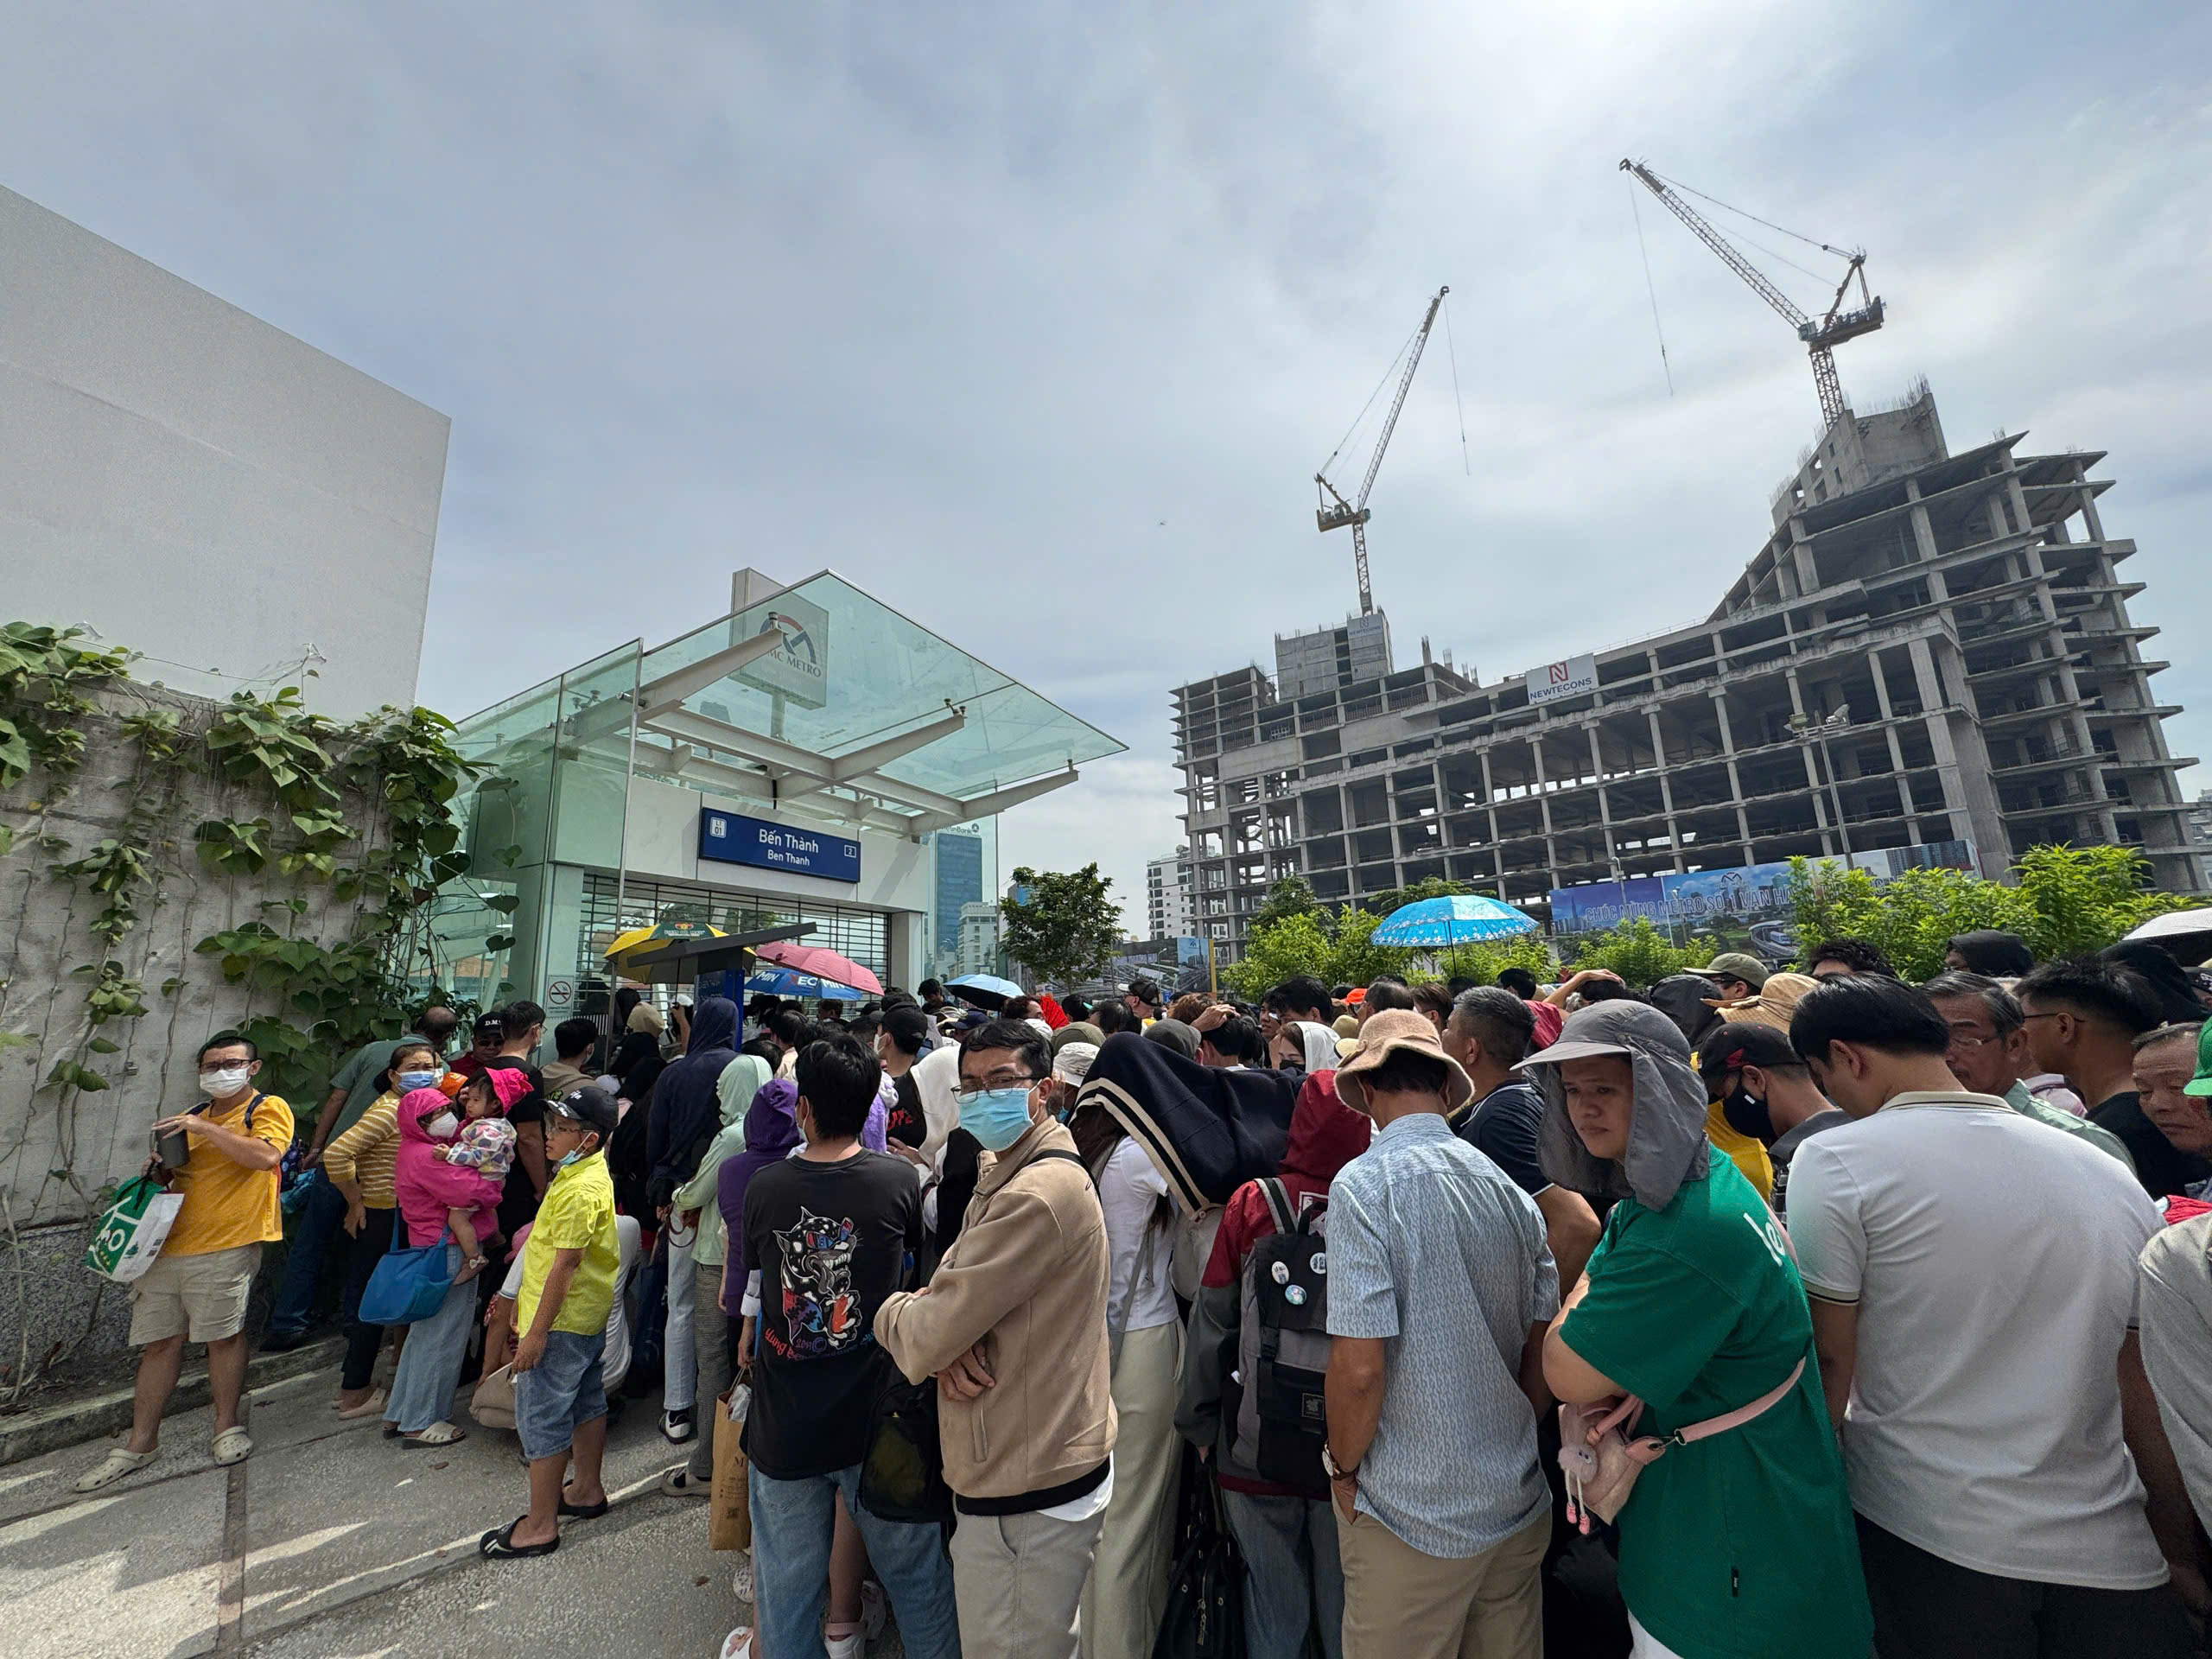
(568, 1270)
(197, 1287)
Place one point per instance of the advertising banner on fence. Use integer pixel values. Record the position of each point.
(1744, 908)
(1575, 678)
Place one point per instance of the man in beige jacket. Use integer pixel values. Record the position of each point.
(1013, 1328)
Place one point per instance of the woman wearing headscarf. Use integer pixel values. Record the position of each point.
(1990, 952)
(1740, 1542)
(2169, 982)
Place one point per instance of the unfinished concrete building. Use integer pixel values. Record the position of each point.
(1931, 647)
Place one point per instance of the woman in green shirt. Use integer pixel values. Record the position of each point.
(1741, 1544)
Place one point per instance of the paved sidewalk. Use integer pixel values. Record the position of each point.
(332, 1541)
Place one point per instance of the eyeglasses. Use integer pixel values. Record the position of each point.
(1004, 1077)
(1965, 1042)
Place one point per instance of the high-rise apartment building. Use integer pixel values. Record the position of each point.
(1930, 648)
(1169, 912)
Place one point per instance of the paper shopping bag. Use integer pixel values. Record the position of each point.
(729, 1518)
(130, 1235)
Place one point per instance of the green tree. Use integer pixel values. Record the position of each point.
(1273, 952)
(2086, 898)
(1355, 961)
(1413, 893)
(2068, 901)
(1483, 960)
(1641, 954)
(1066, 928)
(1292, 896)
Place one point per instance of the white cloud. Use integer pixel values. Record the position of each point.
(965, 303)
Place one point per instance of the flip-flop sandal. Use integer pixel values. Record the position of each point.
(371, 1407)
(738, 1644)
(498, 1544)
(430, 1439)
(584, 1511)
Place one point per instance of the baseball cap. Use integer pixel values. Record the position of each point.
(908, 1025)
(592, 1106)
(1729, 1047)
(1735, 964)
(1072, 1063)
(2201, 1084)
(489, 1025)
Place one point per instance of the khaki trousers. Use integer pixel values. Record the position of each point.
(1016, 1581)
(1128, 1591)
(1400, 1604)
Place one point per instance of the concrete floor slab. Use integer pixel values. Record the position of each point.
(119, 1575)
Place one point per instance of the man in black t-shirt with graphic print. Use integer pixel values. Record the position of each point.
(829, 1234)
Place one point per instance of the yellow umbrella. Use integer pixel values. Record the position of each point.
(637, 939)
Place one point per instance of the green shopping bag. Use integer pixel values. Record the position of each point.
(130, 1235)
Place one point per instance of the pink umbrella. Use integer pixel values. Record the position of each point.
(821, 963)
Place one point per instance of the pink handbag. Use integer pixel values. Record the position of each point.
(1601, 1463)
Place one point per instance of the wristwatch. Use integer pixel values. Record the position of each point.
(1329, 1466)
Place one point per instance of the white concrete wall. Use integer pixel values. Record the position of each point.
(199, 486)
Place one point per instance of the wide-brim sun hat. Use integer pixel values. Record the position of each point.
(1392, 1031)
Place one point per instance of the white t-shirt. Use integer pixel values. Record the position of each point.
(936, 1080)
(1994, 1267)
(1140, 1248)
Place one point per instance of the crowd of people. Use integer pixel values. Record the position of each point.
(1750, 1313)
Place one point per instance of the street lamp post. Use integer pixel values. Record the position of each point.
(1809, 731)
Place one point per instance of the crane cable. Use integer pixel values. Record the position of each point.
(1452, 354)
(1637, 214)
(1841, 254)
(1324, 468)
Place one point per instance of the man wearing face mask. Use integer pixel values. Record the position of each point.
(198, 1286)
(1013, 1328)
(1765, 1091)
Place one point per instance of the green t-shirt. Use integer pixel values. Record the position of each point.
(1742, 1543)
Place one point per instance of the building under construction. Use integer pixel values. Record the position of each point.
(1930, 649)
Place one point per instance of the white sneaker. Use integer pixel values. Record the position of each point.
(677, 1426)
(876, 1609)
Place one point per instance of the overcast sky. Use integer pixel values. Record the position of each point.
(1036, 320)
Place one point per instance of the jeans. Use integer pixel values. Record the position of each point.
(362, 1341)
(792, 1524)
(710, 1336)
(429, 1366)
(679, 1354)
(318, 1223)
(1291, 1575)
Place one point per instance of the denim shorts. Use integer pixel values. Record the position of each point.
(562, 1390)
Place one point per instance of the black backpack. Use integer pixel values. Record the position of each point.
(1282, 1347)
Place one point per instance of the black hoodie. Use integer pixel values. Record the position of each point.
(686, 1112)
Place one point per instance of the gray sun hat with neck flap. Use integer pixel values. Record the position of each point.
(1666, 1136)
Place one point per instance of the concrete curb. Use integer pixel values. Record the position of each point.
(93, 1417)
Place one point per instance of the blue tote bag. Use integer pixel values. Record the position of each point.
(408, 1285)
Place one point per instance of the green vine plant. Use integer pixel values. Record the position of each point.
(298, 771)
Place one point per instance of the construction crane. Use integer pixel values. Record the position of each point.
(1334, 511)
(1822, 337)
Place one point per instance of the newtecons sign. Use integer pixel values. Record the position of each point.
(1575, 678)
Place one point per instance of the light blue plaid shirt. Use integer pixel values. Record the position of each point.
(1432, 1248)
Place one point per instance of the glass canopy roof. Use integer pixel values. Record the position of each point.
(851, 672)
(818, 692)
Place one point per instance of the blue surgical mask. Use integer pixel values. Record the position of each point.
(568, 1157)
(996, 1118)
(410, 1081)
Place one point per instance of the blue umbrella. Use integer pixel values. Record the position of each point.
(782, 981)
(1461, 919)
(986, 989)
